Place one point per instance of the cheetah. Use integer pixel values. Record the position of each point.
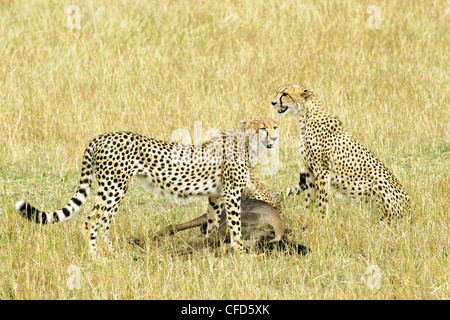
(256, 189)
(218, 168)
(334, 159)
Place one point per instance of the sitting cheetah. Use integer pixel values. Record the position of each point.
(333, 158)
(219, 169)
(256, 189)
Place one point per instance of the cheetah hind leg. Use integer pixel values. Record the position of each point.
(391, 204)
(98, 223)
(91, 228)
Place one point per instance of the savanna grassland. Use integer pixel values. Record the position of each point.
(154, 67)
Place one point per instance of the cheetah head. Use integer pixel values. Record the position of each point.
(291, 99)
(264, 131)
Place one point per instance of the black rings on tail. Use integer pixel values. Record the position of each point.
(74, 204)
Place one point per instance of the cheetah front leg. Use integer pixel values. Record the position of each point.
(213, 214)
(318, 188)
(310, 192)
(233, 209)
(323, 187)
(301, 185)
(232, 193)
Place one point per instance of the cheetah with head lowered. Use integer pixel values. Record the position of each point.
(333, 158)
(218, 169)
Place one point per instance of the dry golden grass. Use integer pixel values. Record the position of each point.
(153, 67)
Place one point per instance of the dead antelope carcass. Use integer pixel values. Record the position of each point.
(261, 227)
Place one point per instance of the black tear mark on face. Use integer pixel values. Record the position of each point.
(284, 94)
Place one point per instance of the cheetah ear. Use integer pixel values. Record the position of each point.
(243, 122)
(307, 93)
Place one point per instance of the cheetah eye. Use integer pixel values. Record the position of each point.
(263, 129)
(275, 128)
(284, 94)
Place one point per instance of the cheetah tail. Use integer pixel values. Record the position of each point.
(78, 199)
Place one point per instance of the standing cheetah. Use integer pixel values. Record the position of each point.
(218, 169)
(333, 158)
